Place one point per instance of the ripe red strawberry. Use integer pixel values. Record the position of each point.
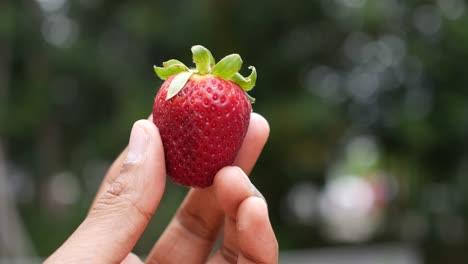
(202, 115)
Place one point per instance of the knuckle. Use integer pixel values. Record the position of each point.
(254, 260)
(196, 224)
(112, 198)
(119, 196)
(229, 255)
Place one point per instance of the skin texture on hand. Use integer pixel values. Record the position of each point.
(132, 190)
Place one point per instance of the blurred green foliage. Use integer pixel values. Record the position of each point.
(75, 75)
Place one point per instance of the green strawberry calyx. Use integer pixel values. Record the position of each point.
(205, 64)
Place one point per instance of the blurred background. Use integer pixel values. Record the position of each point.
(367, 101)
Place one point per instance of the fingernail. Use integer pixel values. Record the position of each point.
(137, 145)
(253, 190)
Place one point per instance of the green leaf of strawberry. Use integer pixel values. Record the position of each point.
(227, 69)
(178, 83)
(247, 83)
(203, 59)
(228, 66)
(173, 62)
(166, 72)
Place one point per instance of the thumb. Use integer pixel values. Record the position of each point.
(122, 212)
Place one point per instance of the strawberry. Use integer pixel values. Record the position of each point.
(202, 115)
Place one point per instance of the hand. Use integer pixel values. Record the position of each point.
(132, 190)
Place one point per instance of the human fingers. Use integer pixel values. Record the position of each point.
(231, 188)
(122, 211)
(196, 224)
(233, 191)
(131, 259)
(256, 238)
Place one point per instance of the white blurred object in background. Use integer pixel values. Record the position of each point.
(349, 209)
